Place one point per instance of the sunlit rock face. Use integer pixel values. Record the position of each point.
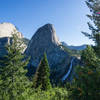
(6, 31)
(45, 40)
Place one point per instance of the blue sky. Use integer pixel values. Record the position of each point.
(67, 16)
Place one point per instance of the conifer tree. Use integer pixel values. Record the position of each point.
(94, 6)
(86, 85)
(41, 78)
(89, 58)
(13, 82)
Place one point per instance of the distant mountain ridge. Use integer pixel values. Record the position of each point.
(81, 47)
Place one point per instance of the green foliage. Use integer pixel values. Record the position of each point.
(76, 53)
(13, 82)
(41, 78)
(95, 29)
(51, 94)
(86, 85)
(89, 58)
(66, 49)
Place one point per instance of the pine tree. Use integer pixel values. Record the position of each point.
(13, 82)
(41, 78)
(86, 85)
(94, 6)
(89, 57)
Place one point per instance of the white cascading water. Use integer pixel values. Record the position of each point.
(69, 71)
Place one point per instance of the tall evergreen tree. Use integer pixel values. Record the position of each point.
(89, 58)
(86, 85)
(12, 72)
(41, 78)
(94, 6)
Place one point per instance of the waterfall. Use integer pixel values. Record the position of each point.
(69, 71)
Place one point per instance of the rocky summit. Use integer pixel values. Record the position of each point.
(6, 31)
(46, 41)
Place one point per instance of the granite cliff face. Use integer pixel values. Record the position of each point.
(6, 31)
(45, 40)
